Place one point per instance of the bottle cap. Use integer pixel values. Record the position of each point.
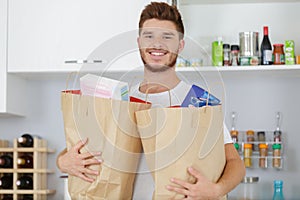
(266, 31)
(278, 182)
(235, 47)
(234, 132)
(276, 146)
(261, 133)
(250, 132)
(226, 46)
(263, 146)
(237, 146)
(247, 146)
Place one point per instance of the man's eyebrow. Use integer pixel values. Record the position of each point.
(168, 33)
(147, 32)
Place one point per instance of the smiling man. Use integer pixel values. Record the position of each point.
(160, 41)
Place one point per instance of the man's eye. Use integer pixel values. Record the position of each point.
(167, 37)
(148, 36)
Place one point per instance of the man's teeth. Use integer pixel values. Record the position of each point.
(157, 53)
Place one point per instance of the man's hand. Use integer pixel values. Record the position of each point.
(201, 189)
(75, 163)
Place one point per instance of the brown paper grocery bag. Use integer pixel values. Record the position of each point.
(177, 138)
(110, 127)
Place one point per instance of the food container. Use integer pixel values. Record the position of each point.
(249, 46)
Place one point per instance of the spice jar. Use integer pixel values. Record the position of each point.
(263, 153)
(226, 54)
(277, 136)
(276, 162)
(278, 54)
(261, 136)
(234, 55)
(250, 137)
(248, 155)
(234, 135)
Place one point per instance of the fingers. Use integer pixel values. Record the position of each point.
(195, 173)
(80, 144)
(182, 191)
(88, 155)
(183, 184)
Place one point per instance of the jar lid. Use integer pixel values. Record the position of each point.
(235, 47)
(278, 45)
(226, 46)
(247, 146)
(250, 179)
(234, 132)
(277, 132)
(263, 146)
(250, 132)
(237, 146)
(260, 133)
(276, 146)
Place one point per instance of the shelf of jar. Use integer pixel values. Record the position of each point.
(192, 2)
(223, 71)
(268, 162)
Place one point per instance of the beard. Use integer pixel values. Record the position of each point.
(159, 67)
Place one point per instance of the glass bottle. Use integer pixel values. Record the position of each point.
(248, 155)
(226, 54)
(25, 161)
(266, 48)
(263, 153)
(6, 161)
(25, 182)
(26, 140)
(250, 138)
(6, 181)
(278, 54)
(276, 161)
(278, 192)
(234, 55)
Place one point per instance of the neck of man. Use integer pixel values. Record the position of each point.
(156, 82)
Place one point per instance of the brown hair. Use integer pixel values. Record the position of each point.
(162, 11)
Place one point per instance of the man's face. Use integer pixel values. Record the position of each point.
(159, 44)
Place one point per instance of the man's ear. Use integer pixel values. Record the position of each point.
(181, 45)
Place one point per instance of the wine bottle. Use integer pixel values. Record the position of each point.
(25, 182)
(26, 140)
(7, 197)
(6, 161)
(6, 181)
(27, 197)
(25, 161)
(266, 48)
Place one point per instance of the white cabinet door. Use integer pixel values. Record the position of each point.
(12, 88)
(3, 39)
(43, 34)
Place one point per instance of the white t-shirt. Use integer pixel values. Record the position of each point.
(144, 184)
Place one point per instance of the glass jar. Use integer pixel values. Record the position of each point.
(277, 136)
(234, 55)
(278, 54)
(234, 135)
(250, 137)
(226, 54)
(276, 162)
(248, 155)
(263, 153)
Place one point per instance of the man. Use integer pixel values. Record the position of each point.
(160, 41)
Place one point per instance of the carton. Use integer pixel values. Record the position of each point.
(289, 52)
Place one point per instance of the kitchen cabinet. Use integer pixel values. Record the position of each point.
(11, 87)
(44, 35)
(256, 93)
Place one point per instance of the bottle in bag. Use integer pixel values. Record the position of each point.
(6, 161)
(266, 48)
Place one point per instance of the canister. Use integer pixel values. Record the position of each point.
(249, 44)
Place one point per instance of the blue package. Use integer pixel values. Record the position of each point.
(198, 97)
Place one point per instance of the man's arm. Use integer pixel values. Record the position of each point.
(233, 173)
(75, 163)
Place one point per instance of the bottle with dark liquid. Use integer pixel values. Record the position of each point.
(25, 161)
(25, 182)
(266, 49)
(26, 140)
(7, 197)
(6, 181)
(6, 161)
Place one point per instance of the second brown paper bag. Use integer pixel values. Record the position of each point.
(174, 139)
(110, 127)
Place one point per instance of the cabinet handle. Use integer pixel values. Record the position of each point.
(83, 61)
